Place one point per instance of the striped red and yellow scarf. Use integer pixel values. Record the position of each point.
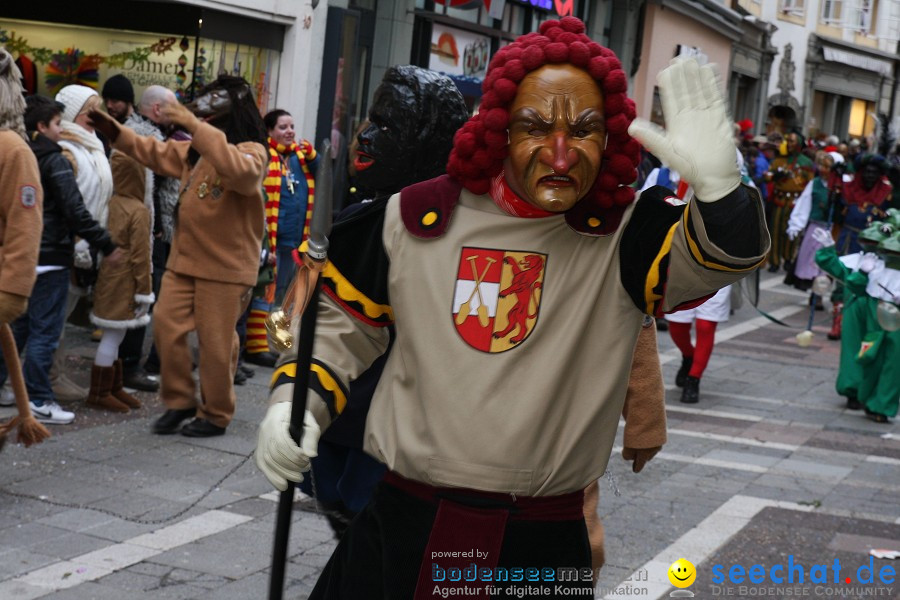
(272, 184)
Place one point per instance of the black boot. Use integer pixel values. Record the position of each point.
(170, 420)
(263, 359)
(201, 428)
(691, 392)
(877, 417)
(686, 362)
(853, 403)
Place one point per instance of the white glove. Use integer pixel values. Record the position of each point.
(277, 456)
(793, 232)
(868, 262)
(698, 141)
(823, 237)
(83, 258)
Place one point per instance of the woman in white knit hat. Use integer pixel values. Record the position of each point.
(94, 179)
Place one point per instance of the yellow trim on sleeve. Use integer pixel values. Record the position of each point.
(328, 382)
(289, 369)
(695, 251)
(653, 275)
(347, 291)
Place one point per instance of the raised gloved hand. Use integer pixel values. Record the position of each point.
(277, 456)
(823, 237)
(640, 456)
(698, 141)
(105, 124)
(868, 262)
(793, 232)
(12, 306)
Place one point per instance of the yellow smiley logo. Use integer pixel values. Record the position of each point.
(682, 573)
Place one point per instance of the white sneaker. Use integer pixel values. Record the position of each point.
(52, 413)
(7, 398)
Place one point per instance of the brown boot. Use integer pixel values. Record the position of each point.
(118, 391)
(99, 395)
(835, 333)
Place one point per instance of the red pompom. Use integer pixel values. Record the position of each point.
(573, 24)
(614, 62)
(623, 196)
(632, 148)
(465, 143)
(619, 166)
(505, 89)
(490, 100)
(533, 57)
(607, 181)
(478, 186)
(513, 53)
(514, 70)
(596, 49)
(615, 103)
(598, 68)
(615, 82)
(617, 125)
(496, 139)
(498, 61)
(477, 128)
(481, 160)
(630, 110)
(579, 54)
(607, 52)
(556, 52)
(547, 25)
(567, 38)
(604, 199)
(469, 170)
(496, 119)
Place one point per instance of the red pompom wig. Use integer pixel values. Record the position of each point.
(482, 144)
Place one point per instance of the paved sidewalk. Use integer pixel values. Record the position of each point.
(766, 465)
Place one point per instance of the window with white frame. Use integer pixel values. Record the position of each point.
(792, 7)
(832, 11)
(861, 16)
(892, 25)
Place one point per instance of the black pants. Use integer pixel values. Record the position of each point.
(381, 553)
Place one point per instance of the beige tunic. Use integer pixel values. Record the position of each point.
(540, 417)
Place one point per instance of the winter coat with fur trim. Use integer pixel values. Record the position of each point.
(120, 289)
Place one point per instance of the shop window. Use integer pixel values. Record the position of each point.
(831, 12)
(792, 7)
(862, 118)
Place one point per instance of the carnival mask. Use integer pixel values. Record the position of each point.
(387, 146)
(557, 134)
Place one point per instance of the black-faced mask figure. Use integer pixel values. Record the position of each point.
(414, 114)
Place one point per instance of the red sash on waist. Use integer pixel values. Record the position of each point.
(472, 523)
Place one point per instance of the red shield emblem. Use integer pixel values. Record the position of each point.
(497, 297)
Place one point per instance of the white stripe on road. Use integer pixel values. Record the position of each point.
(100, 563)
(711, 413)
(697, 545)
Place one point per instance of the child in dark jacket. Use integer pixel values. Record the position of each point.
(64, 217)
